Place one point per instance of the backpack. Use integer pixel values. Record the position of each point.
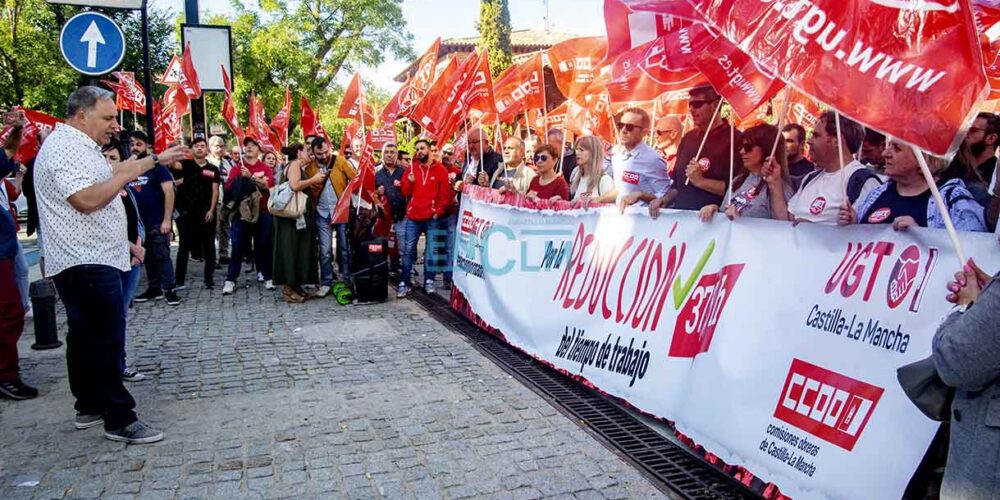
(854, 184)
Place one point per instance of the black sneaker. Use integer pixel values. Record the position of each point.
(172, 298)
(149, 295)
(134, 433)
(223, 260)
(17, 390)
(86, 420)
(180, 287)
(209, 285)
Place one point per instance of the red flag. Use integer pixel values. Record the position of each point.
(228, 109)
(476, 94)
(736, 77)
(229, 114)
(557, 117)
(175, 99)
(575, 63)
(310, 122)
(663, 65)
(35, 122)
(280, 121)
(189, 77)
(427, 112)
(354, 102)
(130, 96)
(421, 81)
(913, 70)
(394, 108)
(519, 87)
(166, 125)
(987, 14)
(258, 126)
(802, 109)
(628, 29)
(383, 135)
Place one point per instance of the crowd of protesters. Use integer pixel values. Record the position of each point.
(108, 209)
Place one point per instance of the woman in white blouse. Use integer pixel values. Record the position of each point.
(589, 182)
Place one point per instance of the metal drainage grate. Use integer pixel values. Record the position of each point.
(669, 466)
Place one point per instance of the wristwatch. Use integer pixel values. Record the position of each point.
(156, 159)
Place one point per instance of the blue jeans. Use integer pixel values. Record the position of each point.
(449, 223)
(130, 284)
(242, 233)
(400, 228)
(93, 297)
(414, 228)
(21, 274)
(159, 265)
(343, 251)
(325, 234)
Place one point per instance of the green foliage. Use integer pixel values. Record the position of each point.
(304, 45)
(494, 30)
(32, 70)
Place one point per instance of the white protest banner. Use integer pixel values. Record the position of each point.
(774, 347)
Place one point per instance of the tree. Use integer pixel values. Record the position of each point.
(32, 70)
(303, 45)
(494, 33)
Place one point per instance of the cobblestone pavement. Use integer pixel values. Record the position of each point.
(261, 399)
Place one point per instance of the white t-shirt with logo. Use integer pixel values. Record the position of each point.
(819, 201)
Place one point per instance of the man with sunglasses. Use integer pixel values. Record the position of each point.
(702, 181)
(640, 174)
(668, 137)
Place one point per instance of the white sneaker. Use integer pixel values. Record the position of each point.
(429, 286)
(30, 313)
(228, 288)
(260, 277)
(402, 290)
(322, 291)
(269, 285)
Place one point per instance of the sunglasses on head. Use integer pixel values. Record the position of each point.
(540, 158)
(698, 103)
(627, 127)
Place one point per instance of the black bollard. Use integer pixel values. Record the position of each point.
(43, 304)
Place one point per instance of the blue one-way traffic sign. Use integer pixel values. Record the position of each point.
(92, 43)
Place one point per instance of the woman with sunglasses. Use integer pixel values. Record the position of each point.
(589, 182)
(756, 190)
(548, 184)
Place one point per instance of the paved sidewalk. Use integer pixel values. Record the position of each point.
(261, 399)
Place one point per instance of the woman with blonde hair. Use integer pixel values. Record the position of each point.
(589, 181)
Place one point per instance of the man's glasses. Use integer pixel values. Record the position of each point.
(540, 158)
(694, 104)
(628, 127)
(448, 153)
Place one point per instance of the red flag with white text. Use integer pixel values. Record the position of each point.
(576, 64)
(628, 29)
(189, 76)
(35, 122)
(281, 120)
(430, 109)
(353, 103)
(520, 86)
(736, 77)
(913, 70)
(663, 65)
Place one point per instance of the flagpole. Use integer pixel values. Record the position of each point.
(840, 152)
(940, 204)
(562, 151)
(697, 156)
(781, 121)
(732, 159)
(652, 129)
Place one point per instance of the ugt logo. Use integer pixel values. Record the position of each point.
(696, 322)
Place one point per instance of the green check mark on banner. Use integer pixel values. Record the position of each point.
(681, 293)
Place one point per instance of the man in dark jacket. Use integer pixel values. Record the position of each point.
(389, 182)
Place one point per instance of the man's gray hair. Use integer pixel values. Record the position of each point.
(85, 99)
(388, 145)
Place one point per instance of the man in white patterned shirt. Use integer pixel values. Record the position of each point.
(86, 250)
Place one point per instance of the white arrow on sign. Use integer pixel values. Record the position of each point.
(92, 37)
